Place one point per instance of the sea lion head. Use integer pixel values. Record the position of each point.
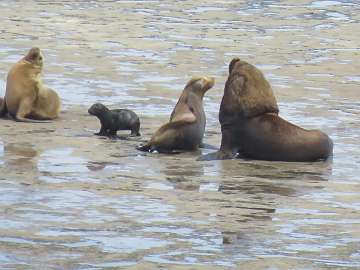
(247, 93)
(200, 85)
(97, 109)
(35, 57)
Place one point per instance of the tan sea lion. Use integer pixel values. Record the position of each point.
(26, 98)
(251, 127)
(186, 127)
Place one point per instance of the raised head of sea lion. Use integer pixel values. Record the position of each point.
(251, 127)
(26, 98)
(186, 127)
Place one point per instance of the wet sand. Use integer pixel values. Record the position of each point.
(72, 200)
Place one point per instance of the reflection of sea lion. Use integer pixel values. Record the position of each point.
(26, 97)
(251, 127)
(114, 120)
(186, 127)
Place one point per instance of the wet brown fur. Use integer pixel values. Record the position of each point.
(251, 126)
(186, 127)
(26, 98)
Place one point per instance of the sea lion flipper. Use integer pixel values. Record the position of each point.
(27, 120)
(183, 111)
(187, 118)
(145, 147)
(3, 108)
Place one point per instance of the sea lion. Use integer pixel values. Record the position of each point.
(26, 98)
(251, 127)
(114, 120)
(186, 127)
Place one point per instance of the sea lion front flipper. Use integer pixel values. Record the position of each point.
(3, 108)
(184, 118)
(182, 112)
(135, 133)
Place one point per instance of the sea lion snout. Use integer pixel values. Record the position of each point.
(207, 83)
(200, 84)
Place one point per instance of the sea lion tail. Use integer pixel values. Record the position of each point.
(3, 108)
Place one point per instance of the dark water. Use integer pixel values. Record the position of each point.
(72, 201)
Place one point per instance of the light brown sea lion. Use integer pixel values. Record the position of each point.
(186, 127)
(26, 98)
(251, 127)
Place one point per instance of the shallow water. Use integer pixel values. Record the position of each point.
(70, 200)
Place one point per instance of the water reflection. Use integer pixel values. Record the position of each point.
(19, 158)
(258, 188)
(58, 165)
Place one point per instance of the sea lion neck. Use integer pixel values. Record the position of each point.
(104, 112)
(104, 115)
(31, 66)
(190, 91)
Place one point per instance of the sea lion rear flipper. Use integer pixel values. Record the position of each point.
(24, 110)
(27, 120)
(144, 147)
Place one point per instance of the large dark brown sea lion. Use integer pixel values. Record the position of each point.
(26, 98)
(186, 127)
(251, 127)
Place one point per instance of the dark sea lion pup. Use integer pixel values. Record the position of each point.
(251, 127)
(26, 98)
(186, 127)
(114, 120)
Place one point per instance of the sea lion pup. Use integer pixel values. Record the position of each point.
(114, 120)
(186, 127)
(26, 98)
(251, 127)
